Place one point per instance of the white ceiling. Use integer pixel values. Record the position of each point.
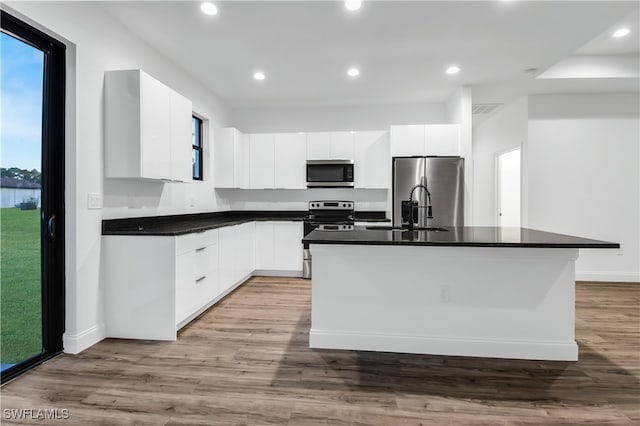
(402, 48)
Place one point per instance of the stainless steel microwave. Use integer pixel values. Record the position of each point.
(329, 174)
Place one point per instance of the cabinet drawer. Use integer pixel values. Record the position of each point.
(193, 294)
(197, 240)
(206, 260)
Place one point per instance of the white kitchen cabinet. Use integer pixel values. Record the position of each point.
(287, 247)
(442, 139)
(196, 274)
(372, 160)
(318, 146)
(279, 248)
(261, 163)
(181, 144)
(406, 141)
(246, 249)
(156, 284)
(290, 154)
(230, 158)
(146, 131)
(265, 254)
(342, 146)
(236, 253)
(430, 139)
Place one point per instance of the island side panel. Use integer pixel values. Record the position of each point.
(467, 301)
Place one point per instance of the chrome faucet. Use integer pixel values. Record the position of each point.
(413, 206)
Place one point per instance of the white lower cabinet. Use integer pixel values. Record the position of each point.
(154, 285)
(279, 248)
(236, 254)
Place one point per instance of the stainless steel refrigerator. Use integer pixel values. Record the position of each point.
(444, 178)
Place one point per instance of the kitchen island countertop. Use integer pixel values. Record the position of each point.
(476, 236)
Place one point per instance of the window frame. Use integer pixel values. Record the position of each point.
(198, 148)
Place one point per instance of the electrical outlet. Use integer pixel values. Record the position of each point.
(94, 201)
(445, 294)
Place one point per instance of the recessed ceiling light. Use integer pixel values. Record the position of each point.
(209, 8)
(621, 32)
(353, 4)
(353, 72)
(453, 69)
(259, 75)
(353, 132)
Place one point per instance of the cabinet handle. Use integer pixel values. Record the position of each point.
(200, 249)
(201, 278)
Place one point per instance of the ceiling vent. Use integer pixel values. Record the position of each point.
(483, 108)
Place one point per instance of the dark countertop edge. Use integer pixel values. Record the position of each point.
(192, 222)
(465, 244)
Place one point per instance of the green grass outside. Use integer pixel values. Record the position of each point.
(20, 290)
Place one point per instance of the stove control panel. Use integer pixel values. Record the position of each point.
(331, 205)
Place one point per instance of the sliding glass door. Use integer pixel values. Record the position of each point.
(32, 202)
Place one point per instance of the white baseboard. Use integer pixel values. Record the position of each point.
(274, 273)
(432, 345)
(633, 277)
(76, 343)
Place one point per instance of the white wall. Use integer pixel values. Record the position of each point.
(503, 131)
(326, 119)
(95, 43)
(297, 199)
(582, 158)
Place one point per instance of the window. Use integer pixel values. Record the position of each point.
(196, 141)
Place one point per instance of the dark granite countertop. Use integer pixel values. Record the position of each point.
(458, 237)
(188, 223)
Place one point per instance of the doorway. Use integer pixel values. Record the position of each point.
(508, 188)
(32, 88)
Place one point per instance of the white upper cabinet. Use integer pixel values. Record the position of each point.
(181, 145)
(430, 139)
(330, 146)
(406, 140)
(372, 160)
(342, 146)
(290, 153)
(147, 128)
(442, 139)
(261, 161)
(318, 146)
(230, 158)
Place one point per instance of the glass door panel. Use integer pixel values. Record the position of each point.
(21, 86)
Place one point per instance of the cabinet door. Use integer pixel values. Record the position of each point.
(227, 257)
(318, 146)
(288, 246)
(224, 157)
(261, 172)
(181, 143)
(246, 249)
(155, 105)
(406, 141)
(372, 160)
(342, 147)
(243, 161)
(290, 160)
(265, 256)
(442, 139)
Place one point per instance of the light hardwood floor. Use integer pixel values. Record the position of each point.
(247, 361)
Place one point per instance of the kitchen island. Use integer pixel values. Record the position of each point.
(467, 291)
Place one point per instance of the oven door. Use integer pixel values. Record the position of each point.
(330, 174)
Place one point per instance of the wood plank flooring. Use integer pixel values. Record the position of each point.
(247, 361)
